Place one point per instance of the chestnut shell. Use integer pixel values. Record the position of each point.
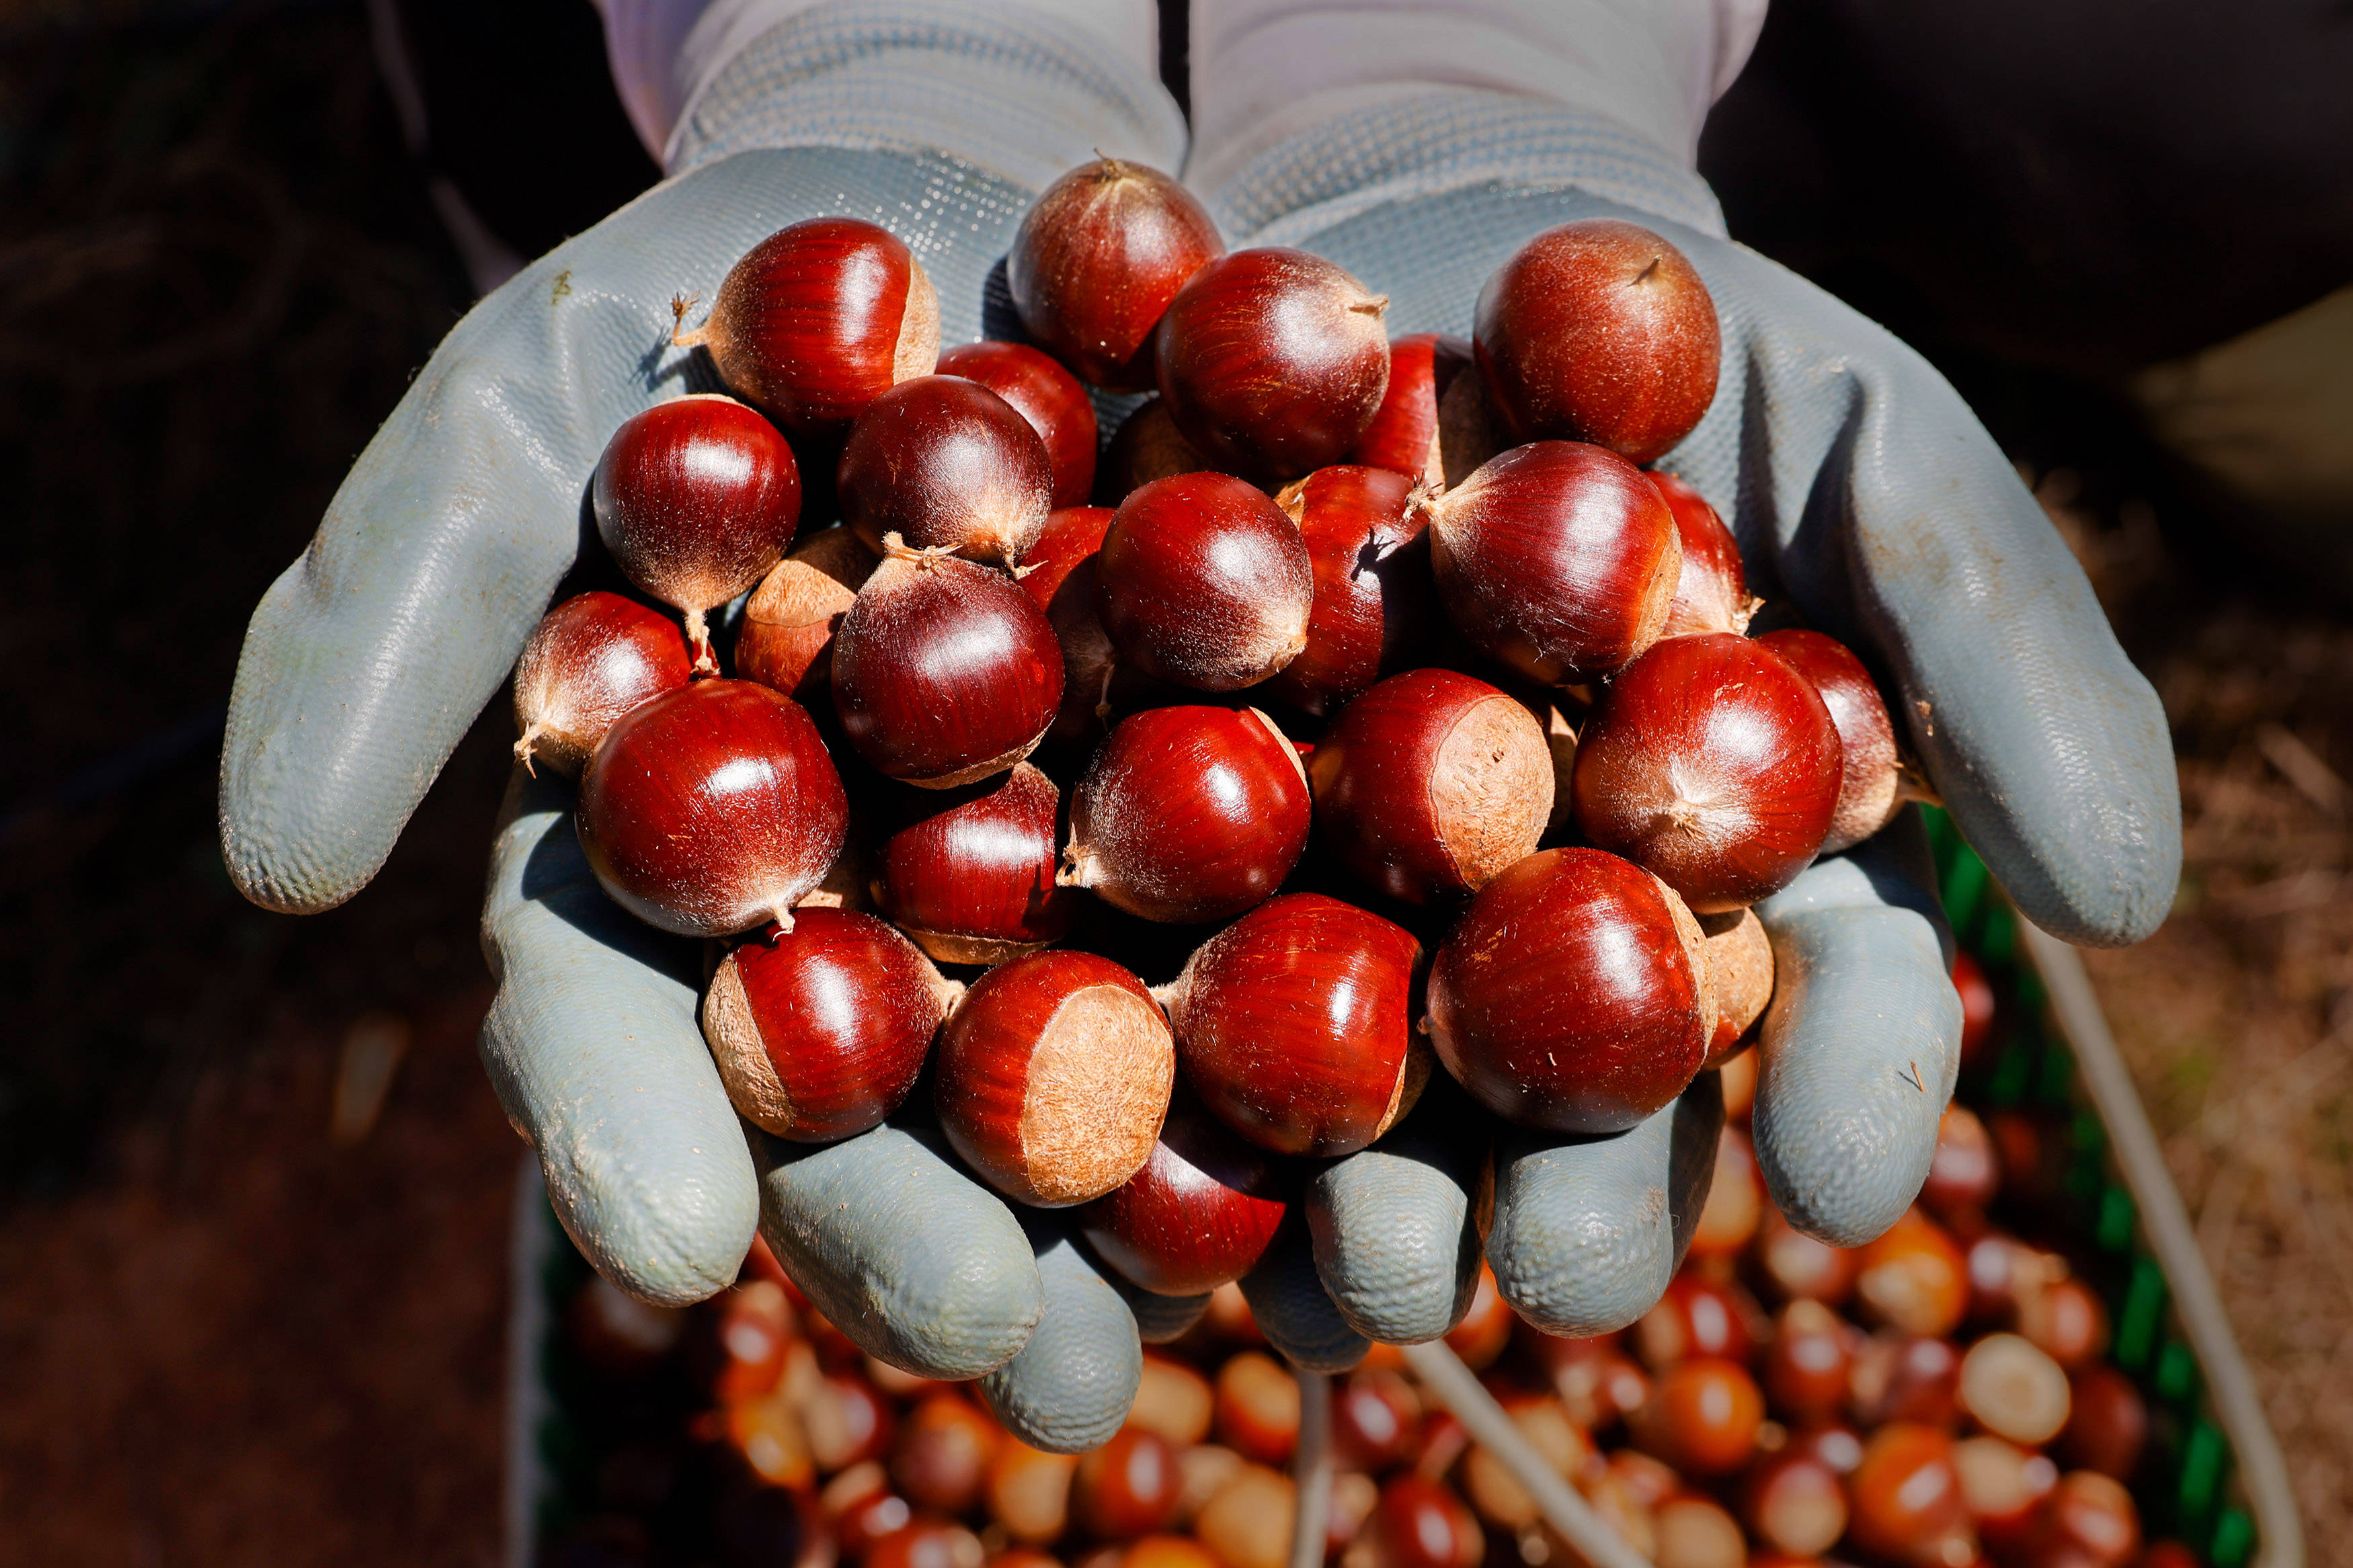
(1203, 581)
(591, 659)
(945, 464)
(1097, 260)
(1372, 605)
(1201, 1211)
(971, 879)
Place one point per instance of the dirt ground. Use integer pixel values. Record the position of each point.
(249, 1312)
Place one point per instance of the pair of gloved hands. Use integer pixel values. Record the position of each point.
(1860, 486)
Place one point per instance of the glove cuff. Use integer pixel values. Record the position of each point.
(1403, 143)
(1005, 89)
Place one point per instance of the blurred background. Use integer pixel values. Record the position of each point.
(254, 1194)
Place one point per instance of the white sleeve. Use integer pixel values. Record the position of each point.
(1266, 70)
(663, 53)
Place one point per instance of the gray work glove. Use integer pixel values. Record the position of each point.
(1864, 490)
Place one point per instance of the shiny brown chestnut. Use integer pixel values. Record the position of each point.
(1794, 1503)
(1419, 1523)
(1272, 361)
(1898, 1376)
(1372, 605)
(1873, 782)
(971, 880)
(1735, 1201)
(1128, 1488)
(1701, 1416)
(1808, 1359)
(1201, 1211)
(1059, 575)
(943, 672)
(1557, 558)
(1205, 582)
(1572, 996)
(819, 320)
(1711, 591)
(2107, 1423)
(1293, 1024)
(1257, 1408)
(1375, 1417)
(696, 498)
(1189, 814)
(591, 659)
(1694, 1317)
(941, 1458)
(1098, 257)
(1404, 435)
(2087, 1520)
(1599, 330)
(1905, 1501)
(1740, 973)
(2013, 1390)
(1054, 1074)
(1430, 783)
(945, 464)
(1963, 1175)
(712, 809)
(1173, 1399)
(787, 638)
(1712, 763)
(1914, 1278)
(1795, 1266)
(1046, 396)
(819, 1031)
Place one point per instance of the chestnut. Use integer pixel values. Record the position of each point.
(1695, 1317)
(927, 1543)
(1205, 582)
(943, 672)
(1713, 765)
(1372, 604)
(696, 498)
(2065, 1320)
(1739, 958)
(1914, 1278)
(1172, 1400)
(1146, 446)
(1977, 1003)
(1430, 783)
(1166, 1551)
(590, 659)
(1735, 1201)
(1795, 1503)
(945, 464)
(1248, 1523)
(1375, 1417)
(1293, 1024)
(1201, 1211)
(1128, 1488)
(766, 1438)
(942, 1456)
(1595, 1381)
(741, 1352)
(1054, 1072)
(1046, 396)
(1795, 1265)
(1905, 1501)
(2087, 1520)
(2107, 1423)
(1711, 591)
(1559, 559)
(1599, 330)
(1059, 575)
(787, 638)
(1875, 781)
(1418, 1522)
(972, 880)
(1272, 362)
(2001, 1484)
(847, 1420)
(1807, 1360)
(1095, 262)
(1898, 1376)
(2014, 1391)
(1485, 1330)
(1693, 1531)
(1257, 1412)
(862, 1509)
(819, 1031)
(819, 320)
(1189, 814)
(1404, 433)
(1701, 1416)
(1962, 1173)
(1028, 1492)
(1494, 1491)
(1572, 996)
(712, 809)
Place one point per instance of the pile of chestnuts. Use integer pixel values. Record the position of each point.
(1384, 716)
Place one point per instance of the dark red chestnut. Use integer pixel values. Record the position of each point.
(1485, 1330)
(591, 659)
(1372, 605)
(1189, 814)
(1873, 782)
(945, 464)
(1898, 1376)
(1199, 1213)
(1977, 1003)
(941, 1458)
(1172, 1398)
(927, 1543)
(1599, 330)
(1808, 1359)
(1054, 1073)
(1404, 435)
(1097, 259)
(2066, 1319)
(1128, 1488)
(1046, 396)
(787, 638)
(712, 809)
(1962, 1174)
(1293, 1024)
(1559, 559)
(2107, 1423)
(1701, 1416)
(1029, 1497)
(1146, 446)
(1257, 1408)
(1735, 1203)
(943, 672)
(972, 880)
(1597, 1384)
(696, 498)
(1695, 1317)
(1572, 996)
(847, 1421)
(1905, 1501)
(819, 320)
(1203, 581)
(2088, 1521)
(1712, 592)
(1272, 362)
(1420, 1523)
(1794, 1503)
(1797, 1266)
(1058, 574)
(1914, 1278)
(1740, 975)
(1713, 765)
(1375, 1415)
(1430, 783)
(2001, 1484)
(820, 1030)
